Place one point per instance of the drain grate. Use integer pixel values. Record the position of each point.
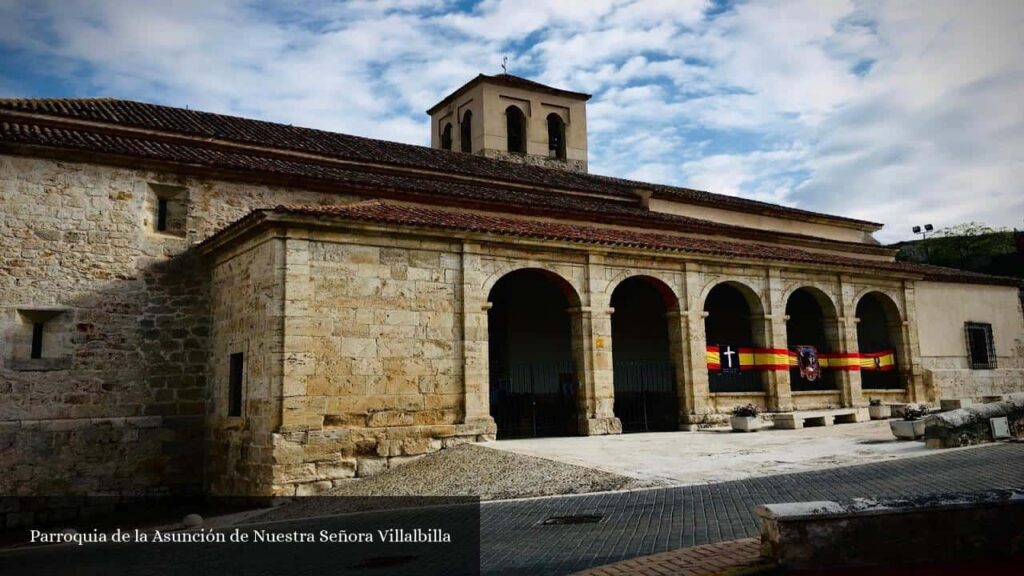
(574, 519)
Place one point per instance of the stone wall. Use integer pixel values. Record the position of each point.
(119, 391)
(371, 372)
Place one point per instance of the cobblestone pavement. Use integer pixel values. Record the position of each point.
(694, 561)
(514, 540)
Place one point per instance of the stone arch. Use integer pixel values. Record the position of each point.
(570, 287)
(879, 330)
(515, 130)
(894, 300)
(664, 282)
(812, 320)
(824, 295)
(556, 136)
(734, 320)
(534, 373)
(466, 132)
(644, 335)
(446, 136)
(751, 292)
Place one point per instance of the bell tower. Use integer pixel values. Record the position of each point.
(514, 119)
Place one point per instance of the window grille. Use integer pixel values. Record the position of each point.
(981, 350)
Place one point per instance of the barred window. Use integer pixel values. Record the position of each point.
(980, 348)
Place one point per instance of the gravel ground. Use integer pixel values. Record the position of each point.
(465, 470)
(474, 470)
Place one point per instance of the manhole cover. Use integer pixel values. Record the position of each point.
(574, 519)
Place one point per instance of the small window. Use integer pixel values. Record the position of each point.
(515, 126)
(556, 136)
(446, 137)
(37, 340)
(167, 209)
(466, 132)
(235, 385)
(981, 349)
(161, 215)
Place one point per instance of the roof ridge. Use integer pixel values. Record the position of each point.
(340, 146)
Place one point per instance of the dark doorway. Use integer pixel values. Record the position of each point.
(806, 327)
(533, 384)
(646, 398)
(878, 330)
(730, 324)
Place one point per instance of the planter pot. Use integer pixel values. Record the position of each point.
(883, 412)
(745, 423)
(907, 429)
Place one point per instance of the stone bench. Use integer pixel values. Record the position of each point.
(808, 419)
(926, 529)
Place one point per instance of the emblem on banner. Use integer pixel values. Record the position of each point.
(807, 361)
(729, 359)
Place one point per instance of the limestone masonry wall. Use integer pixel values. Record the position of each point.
(373, 366)
(116, 403)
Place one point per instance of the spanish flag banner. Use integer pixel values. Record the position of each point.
(881, 361)
(727, 358)
(747, 358)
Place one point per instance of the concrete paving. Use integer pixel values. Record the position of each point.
(716, 455)
(514, 539)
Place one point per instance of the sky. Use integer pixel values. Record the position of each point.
(903, 112)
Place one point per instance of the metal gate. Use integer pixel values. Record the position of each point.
(645, 396)
(532, 400)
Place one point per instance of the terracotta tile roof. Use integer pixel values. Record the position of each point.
(512, 82)
(205, 125)
(392, 214)
(358, 179)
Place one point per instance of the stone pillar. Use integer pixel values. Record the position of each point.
(780, 395)
(849, 380)
(690, 359)
(475, 345)
(592, 354)
(917, 386)
(691, 356)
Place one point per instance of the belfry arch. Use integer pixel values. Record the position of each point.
(534, 384)
(734, 324)
(880, 342)
(646, 395)
(812, 323)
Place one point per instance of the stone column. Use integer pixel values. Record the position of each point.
(917, 386)
(475, 346)
(780, 395)
(849, 380)
(691, 356)
(592, 354)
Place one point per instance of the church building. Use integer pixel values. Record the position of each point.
(198, 303)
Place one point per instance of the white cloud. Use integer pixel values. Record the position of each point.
(896, 111)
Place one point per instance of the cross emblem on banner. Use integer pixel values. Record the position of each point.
(728, 363)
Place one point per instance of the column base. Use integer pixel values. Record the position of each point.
(479, 426)
(600, 426)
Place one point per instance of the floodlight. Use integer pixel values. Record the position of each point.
(917, 229)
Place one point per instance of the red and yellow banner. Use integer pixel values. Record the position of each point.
(782, 359)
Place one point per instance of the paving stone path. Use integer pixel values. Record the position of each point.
(514, 540)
